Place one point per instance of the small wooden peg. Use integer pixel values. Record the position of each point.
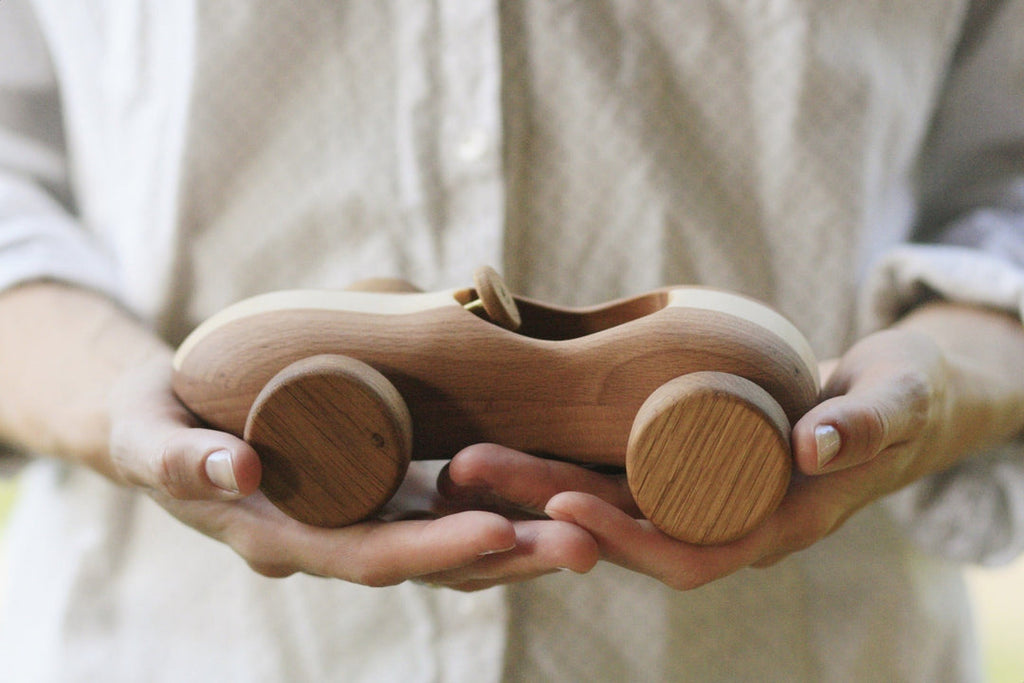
(495, 299)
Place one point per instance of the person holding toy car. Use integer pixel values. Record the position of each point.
(855, 165)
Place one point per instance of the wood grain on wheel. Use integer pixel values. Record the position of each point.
(334, 438)
(708, 457)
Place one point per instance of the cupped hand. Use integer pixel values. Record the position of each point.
(209, 480)
(882, 423)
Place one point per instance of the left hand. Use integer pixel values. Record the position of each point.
(904, 403)
(159, 448)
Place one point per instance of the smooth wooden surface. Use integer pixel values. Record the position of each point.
(495, 298)
(708, 457)
(334, 438)
(392, 285)
(567, 384)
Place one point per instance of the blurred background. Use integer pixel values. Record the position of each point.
(999, 600)
(998, 595)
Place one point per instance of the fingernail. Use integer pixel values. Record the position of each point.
(497, 550)
(826, 438)
(220, 471)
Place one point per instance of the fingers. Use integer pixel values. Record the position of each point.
(813, 509)
(637, 545)
(468, 550)
(383, 553)
(492, 472)
(188, 463)
(885, 393)
(209, 480)
(883, 398)
(202, 464)
(541, 547)
(158, 448)
(155, 444)
(371, 553)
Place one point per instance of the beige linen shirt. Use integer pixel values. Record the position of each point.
(183, 155)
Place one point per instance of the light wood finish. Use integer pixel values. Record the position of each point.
(393, 285)
(495, 299)
(567, 384)
(708, 457)
(334, 438)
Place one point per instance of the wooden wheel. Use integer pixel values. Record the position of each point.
(334, 438)
(708, 457)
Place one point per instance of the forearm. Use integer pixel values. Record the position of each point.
(64, 351)
(984, 355)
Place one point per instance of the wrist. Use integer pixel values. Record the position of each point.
(73, 347)
(982, 351)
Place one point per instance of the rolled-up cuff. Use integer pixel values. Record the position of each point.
(11, 462)
(973, 512)
(40, 241)
(64, 257)
(912, 274)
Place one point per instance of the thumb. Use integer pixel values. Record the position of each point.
(197, 464)
(868, 414)
(184, 462)
(155, 444)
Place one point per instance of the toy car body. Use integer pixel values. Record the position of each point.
(568, 383)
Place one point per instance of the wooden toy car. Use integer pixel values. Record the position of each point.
(692, 390)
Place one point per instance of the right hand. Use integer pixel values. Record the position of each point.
(209, 480)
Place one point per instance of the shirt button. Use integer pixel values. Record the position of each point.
(472, 607)
(466, 608)
(473, 146)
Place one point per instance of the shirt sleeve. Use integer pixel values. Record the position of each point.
(969, 248)
(39, 236)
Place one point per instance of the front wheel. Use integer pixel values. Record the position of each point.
(334, 438)
(708, 457)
